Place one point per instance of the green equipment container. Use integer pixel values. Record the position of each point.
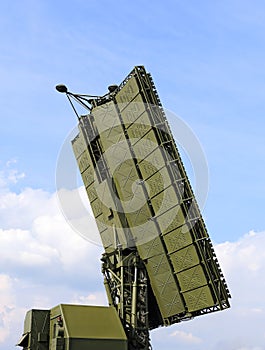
(73, 327)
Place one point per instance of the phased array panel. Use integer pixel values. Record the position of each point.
(141, 196)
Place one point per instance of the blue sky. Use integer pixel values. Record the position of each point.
(207, 61)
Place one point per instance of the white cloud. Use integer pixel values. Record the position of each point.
(19, 248)
(187, 338)
(97, 298)
(8, 175)
(244, 262)
(7, 305)
(18, 210)
(5, 291)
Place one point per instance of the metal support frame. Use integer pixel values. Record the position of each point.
(126, 284)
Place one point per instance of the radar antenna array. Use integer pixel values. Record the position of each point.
(159, 264)
(164, 270)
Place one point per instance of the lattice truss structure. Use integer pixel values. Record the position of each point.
(145, 211)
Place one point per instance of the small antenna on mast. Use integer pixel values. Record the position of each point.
(61, 88)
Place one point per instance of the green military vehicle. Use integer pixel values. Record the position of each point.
(159, 265)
